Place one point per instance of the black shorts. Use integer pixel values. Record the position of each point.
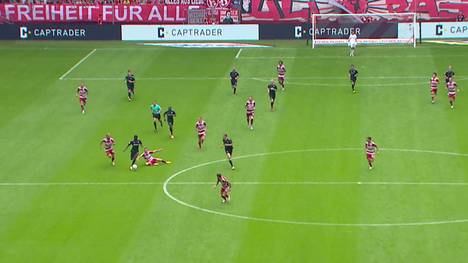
(170, 123)
(353, 79)
(229, 149)
(132, 88)
(157, 116)
(133, 155)
(233, 82)
(272, 96)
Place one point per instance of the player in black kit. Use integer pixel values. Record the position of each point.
(135, 143)
(234, 77)
(449, 74)
(130, 80)
(353, 77)
(228, 148)
(169, 118)
(272, 93)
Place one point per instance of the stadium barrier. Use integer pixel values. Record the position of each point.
(434, 30)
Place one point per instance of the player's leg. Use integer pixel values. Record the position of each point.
(200, 141)
(159, 119)
(133, 157)
(229, 156)
(129, 93)
(171, 129)
(353, 84)
(272, 102)
(154, 123)
(251, 121)
(234, 88)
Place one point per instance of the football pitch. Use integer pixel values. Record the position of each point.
(301, 191)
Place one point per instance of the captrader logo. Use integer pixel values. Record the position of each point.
(439, 30)
(23, 32)
(160, 32)
(297, 31)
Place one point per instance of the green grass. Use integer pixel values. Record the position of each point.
(47, 140)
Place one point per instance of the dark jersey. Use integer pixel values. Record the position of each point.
(170, 114)
(450, 73)
(135, 145)
(227, 142)
(353, 74)
(272, 89)
(130, 79)
(234, 75)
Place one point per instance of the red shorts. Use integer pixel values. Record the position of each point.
(281, 78)
(250, 115)
(201, 136)
(434, 91)
(110, 152)
(225, 191)
(370, 156)
(153, 161)
(83, 101)
(452, 96)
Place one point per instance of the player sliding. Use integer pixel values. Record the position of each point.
(225, 187)
(150, 160)
(228, 148)
(353, 77)
(130, 80)
(452, 91)
(234, 77)
(82, 94)
(272, 94)
(371, 149)
(250, 107)
(109, 143)
(434, 84)
(169, 118)
(135, 143)
(156, 111)
(200, 126)
(281, 73)
(352, 42)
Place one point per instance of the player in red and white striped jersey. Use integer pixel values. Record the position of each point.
(452, 91)
(82, 94)
(371, 149)
(225, 187)
(250, 108)
(200, 126)
(109, 143)
(150, 160)
(281, 73)
(434, 82)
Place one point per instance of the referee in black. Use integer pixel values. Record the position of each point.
(234, 75)
(228, 148)
(353, 77)
(130, 80)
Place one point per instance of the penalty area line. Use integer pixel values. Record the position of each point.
(77, 64)
(238, 53)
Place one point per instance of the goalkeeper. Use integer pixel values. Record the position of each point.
(352, 41)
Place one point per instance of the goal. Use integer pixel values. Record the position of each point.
(334, 29)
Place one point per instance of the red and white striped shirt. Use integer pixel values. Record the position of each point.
(82, 92)
(281, 70)
(434, 82)
(201, 127)
(250, 106)
(147, 155)
(370, 146)
(452, 87)
(108, 143)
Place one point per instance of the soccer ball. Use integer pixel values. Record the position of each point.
(134, 167)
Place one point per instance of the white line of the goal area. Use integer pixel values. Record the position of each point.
(77, 64)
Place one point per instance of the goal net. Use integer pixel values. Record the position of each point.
(334, 29)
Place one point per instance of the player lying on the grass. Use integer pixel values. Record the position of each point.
(452, 91)
(225, 187)
(353, 77)
(130, 80)
(150, 160)
(250, 108)
(352, 42)
(201, 126)
(434, 84)
(234, 75)
(272, 93)
(109, 143)
(82, 94)
(169, 118)
(281, 73)
(156, 112)
(449, 74)
(135, 143)
(228, 149)
(371, 149)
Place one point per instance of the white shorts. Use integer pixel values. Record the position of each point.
(352, 44)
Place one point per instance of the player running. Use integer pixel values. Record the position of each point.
(200, 126)
(109, 143)
(82, 94)
(434, 84)
(225, 187)
(228, 148)
(371, 149)
(281, 73)
(452, 91)
(353, 77)
(150, 160)
(135, 143)
(130, 80)
(272, 93)
(449, 74)
(169, 118)
(234, 75)
(156, 111)
(352, 42)
(250, 108)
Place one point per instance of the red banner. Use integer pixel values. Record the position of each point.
(173, 14)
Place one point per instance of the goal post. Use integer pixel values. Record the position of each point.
(371, 29)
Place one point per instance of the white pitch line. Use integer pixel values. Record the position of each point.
(77, 64)
(238, 53)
